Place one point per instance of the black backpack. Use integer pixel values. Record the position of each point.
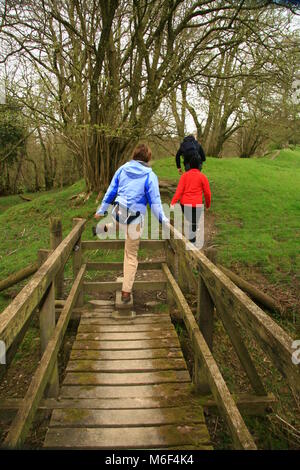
(189, 148)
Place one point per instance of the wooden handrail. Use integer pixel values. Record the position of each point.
(240, 434)
(275, 342)
(22, 422)
(18, 312)
(119, 244)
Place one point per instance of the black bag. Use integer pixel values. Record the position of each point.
(123, 215)
(189, 148)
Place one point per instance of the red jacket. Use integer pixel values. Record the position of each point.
(190, 188)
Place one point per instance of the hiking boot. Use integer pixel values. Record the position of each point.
(125, 297)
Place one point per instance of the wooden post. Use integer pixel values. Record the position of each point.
(47, 327)
(205, 321)
(77, 263)
(55, 240)
(205, 312)
(205, 305)
(204, 318)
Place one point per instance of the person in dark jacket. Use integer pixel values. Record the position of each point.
(189, 148)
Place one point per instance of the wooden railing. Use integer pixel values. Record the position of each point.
(215, 290)
(39, 294)
(184, 269)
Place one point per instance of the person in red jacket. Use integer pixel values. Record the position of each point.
(191, 186)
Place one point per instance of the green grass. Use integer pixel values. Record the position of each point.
(24, 227)
(257, 210)
(255, 202)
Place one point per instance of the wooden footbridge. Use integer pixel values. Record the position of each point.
(126, 385)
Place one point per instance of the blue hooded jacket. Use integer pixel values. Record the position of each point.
(134, 185)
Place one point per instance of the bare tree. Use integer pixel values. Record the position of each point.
(218, 98)
(108, 64)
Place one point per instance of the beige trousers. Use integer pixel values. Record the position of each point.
(133, 233)
(132, 243)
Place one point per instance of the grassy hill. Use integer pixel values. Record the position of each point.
(256, 211)
(255, 203)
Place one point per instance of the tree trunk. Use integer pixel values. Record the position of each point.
(105, 155)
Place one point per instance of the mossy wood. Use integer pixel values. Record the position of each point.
(17, 313)
(240, 434)
(22, 422)
(276, 343)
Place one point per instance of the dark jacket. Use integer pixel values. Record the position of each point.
(186, 149)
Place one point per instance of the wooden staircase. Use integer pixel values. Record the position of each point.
(127, 387)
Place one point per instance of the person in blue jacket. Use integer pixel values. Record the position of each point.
(133, 186)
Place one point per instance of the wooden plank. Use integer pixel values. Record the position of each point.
(125, 391)
(25, 415)
(275, 342)
(240, 434)
(247, 404)
(127, 354)
(116, 328)
(132, 336)
(102, 303)
(129, 438)
(77, 263)
(47, 327)
(138, 320)
(250, 405)
(115, 266)
(205, 320)
(122, 345)
(119, 245)
(106, 314)
(130, 365)
(17, 313)
(97, 309)
(132, 378)
(74, 417)
(205, 313)
(100, 287)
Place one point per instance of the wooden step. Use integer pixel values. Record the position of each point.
(74, 417)
(138, 378)
(120, 305)
(102, 303)
(126, 365)
(91, 328)
(120, 403)
(138, 320)
(126, 354)
(126, 387)
(107, 313)
(138, 391)
(129, 438)
(127, 336)
(121, 345)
